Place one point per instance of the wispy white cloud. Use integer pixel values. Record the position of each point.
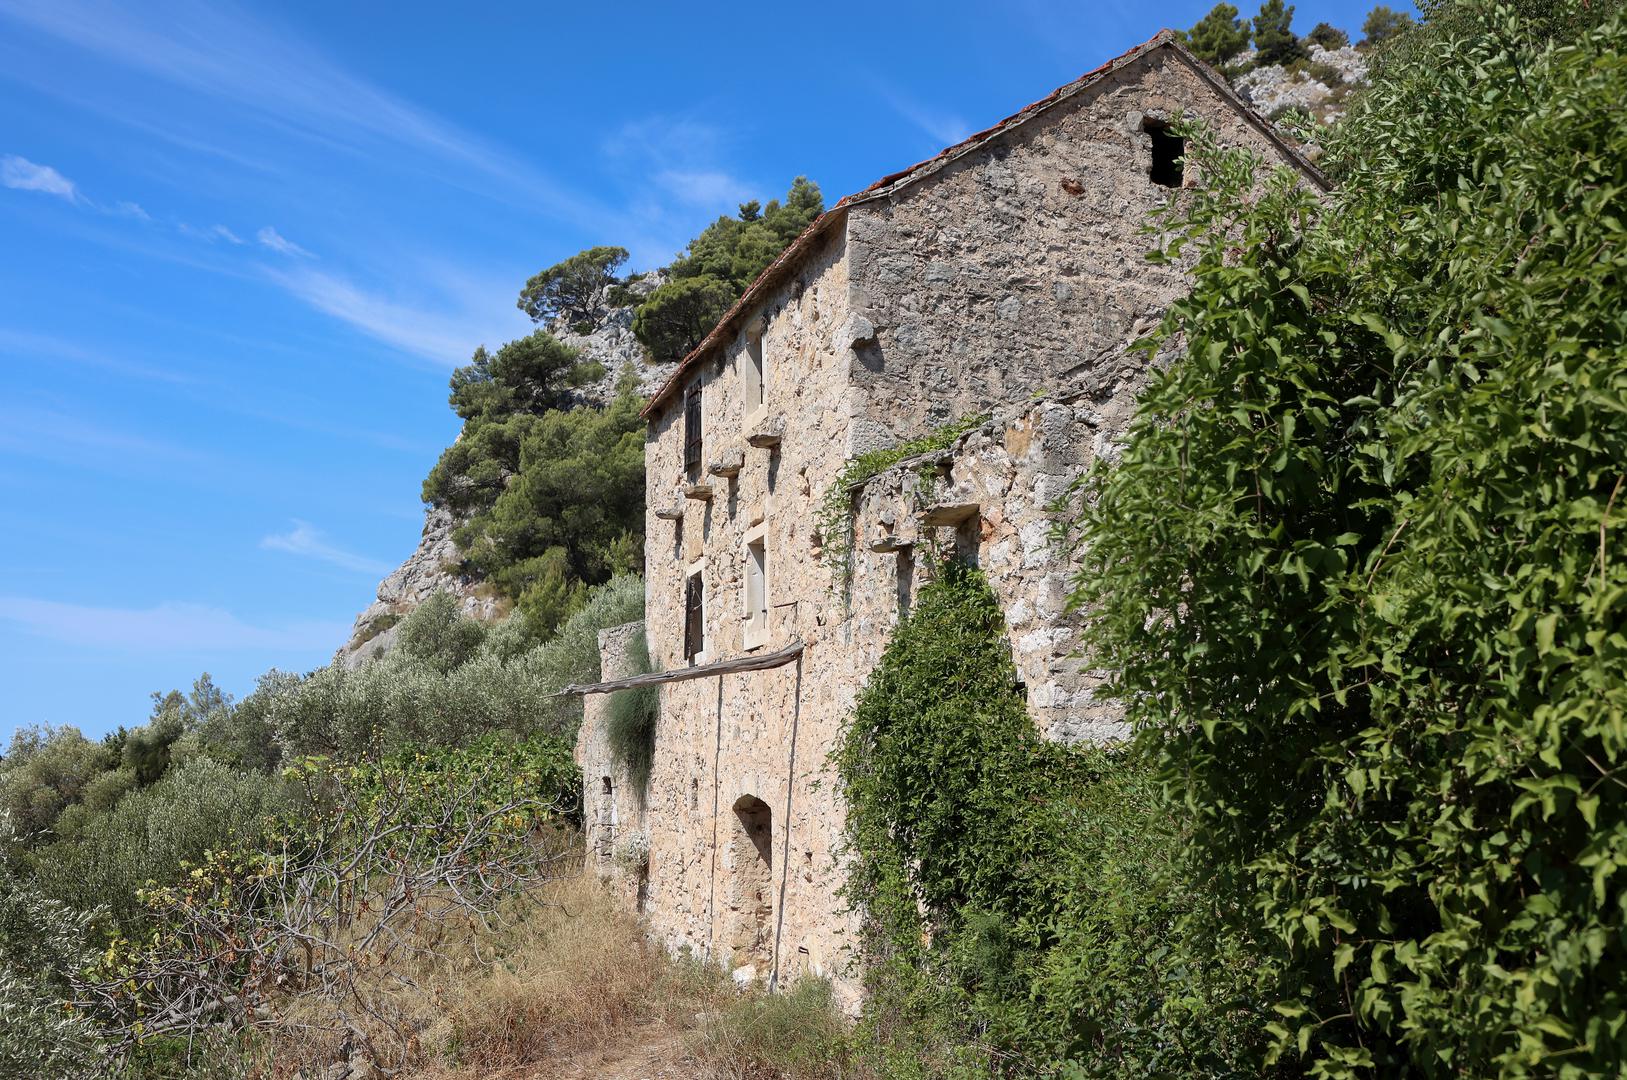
(442, 324)
(209, 234)
(164, 628)
(274, 240)
(708, 189)
(20, 174)
(219, 49)
(23, 175)
(305, 540)
(943, 128)
(54, 435)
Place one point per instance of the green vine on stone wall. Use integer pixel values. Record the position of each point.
(632, 716)
(1023, 906)
(834, 517)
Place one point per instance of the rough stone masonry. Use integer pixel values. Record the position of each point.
(1004, 277)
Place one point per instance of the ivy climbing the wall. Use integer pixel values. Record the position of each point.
(1021, 901)
(834, 517)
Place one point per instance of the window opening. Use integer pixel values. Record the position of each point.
(692, 434)
(755, 376)
(607, 822)
(1168, 153)
(756, 586)
(906, 580)
(694, 617)
(969, 539)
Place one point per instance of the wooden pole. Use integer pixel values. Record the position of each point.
(750, 662)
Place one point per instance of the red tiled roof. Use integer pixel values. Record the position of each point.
(776, 272)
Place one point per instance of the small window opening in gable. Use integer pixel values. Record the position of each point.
(693, 441)
(1168, 153)
(754, 376)
(694, 617)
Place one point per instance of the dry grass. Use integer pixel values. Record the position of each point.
(570, 987)
(576, 976)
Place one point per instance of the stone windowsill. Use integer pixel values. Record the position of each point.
(766, 434)
(729, 463)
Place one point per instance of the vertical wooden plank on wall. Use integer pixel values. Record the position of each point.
(785, 857)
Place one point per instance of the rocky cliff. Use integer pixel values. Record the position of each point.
(436, 564)
(1318, 86)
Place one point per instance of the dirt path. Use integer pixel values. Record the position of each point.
(649, 1052)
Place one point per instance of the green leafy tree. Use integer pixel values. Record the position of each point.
(500, 396)
(718, 266)
(571, 290)
(572, 513)
(47, 769)
(1219, 35)
(1274, 36)
(1382, 24)
(677, 316)
(1358, 569)
(1328, 36)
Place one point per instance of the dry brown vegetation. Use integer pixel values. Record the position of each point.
(568, 986)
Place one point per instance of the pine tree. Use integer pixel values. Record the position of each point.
(1218, 36)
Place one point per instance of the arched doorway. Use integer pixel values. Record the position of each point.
(751, 934)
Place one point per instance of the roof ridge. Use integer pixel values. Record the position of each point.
(892, 182)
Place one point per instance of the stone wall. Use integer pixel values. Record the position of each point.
(612, 810)
(1021, 269)
(740, 799)
(994, 498)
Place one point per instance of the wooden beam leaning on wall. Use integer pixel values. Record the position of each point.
(755, 662)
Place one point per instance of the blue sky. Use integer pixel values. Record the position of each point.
(241, 249)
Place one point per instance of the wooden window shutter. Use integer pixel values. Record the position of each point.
(692, 432)
(694, 614)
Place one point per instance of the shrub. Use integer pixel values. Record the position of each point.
(1328, 36)
(1021, 901)
(631, 719)
(1358, 569)
(508, 684)
(45, 770)
(43, 944)
(151, 833)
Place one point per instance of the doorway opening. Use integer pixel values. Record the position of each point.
(751, 906)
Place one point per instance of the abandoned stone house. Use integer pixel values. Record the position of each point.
(1003, 278)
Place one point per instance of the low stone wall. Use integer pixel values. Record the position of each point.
(613, 815)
